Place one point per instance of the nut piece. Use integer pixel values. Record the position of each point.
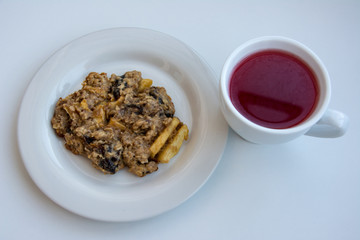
(144, 83)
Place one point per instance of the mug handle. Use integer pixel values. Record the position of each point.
(333, 124)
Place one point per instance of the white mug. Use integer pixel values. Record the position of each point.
(322, 122)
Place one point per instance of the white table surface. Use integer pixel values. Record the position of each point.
(305, 189)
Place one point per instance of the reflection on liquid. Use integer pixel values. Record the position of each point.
(270, 112)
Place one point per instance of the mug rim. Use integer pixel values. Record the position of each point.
(315, 115)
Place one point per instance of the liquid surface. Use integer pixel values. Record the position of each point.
(274, 89)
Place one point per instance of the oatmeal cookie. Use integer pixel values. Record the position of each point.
(114, 121)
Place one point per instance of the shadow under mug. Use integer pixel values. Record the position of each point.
(322, 122)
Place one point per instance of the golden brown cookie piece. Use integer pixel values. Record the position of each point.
(115, 121)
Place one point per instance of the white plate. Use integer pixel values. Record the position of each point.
(70, 180)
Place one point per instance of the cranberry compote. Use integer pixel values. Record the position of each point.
(274, 89)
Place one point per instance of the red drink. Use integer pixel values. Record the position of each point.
(274, 89)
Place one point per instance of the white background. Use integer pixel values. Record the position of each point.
(305, 189)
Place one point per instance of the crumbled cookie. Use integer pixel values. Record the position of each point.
(114, 121)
